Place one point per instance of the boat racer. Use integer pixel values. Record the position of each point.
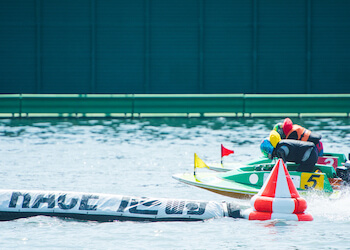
(304, 153)
(288, 130)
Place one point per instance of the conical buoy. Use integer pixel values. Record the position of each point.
(278, 198)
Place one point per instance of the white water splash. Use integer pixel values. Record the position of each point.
(326, 208)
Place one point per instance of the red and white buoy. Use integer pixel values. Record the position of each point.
(278, 199)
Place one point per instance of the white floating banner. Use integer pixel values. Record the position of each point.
(16, 204)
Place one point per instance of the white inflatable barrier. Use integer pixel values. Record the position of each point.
(15, 204)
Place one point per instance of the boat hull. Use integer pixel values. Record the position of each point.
(245, 182)
(212, 183)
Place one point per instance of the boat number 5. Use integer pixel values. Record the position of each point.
(313, 179)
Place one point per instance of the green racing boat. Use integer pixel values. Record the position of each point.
(243, 180)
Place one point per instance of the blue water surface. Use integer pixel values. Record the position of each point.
(138, 157)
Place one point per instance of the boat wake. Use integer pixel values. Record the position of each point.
(331, 209)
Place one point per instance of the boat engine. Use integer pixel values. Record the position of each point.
(344, 172)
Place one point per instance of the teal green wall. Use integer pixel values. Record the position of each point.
(174, 46)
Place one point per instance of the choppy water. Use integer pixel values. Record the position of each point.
(138, 158)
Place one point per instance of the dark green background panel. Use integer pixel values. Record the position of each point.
(119, 73)
(174, 46)
(331, 50)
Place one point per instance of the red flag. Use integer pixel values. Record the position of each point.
(225, 151)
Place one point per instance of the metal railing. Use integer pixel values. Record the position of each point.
(27, 105)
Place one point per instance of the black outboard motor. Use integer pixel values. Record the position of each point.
(344, 172)
(234, 211)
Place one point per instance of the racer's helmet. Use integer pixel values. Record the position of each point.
(266, 148)
(287, 125)
(274, 138)
(279, 129)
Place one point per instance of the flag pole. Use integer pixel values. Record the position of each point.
(221, 155)
(195, 163)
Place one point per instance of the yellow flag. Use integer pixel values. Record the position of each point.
(198, 163)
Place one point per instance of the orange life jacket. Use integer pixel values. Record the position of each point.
(303, 133)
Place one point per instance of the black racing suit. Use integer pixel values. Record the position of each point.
(301, 152)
